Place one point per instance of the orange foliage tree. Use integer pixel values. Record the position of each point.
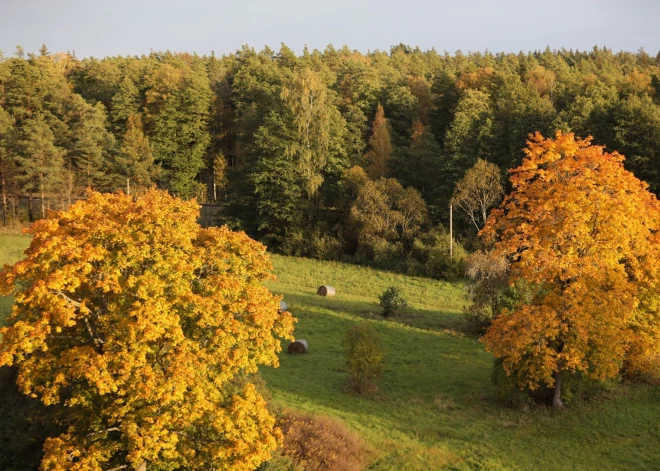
(583, 234)
(138, 324)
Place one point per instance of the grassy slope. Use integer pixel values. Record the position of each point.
(411, 423)
(436, 407)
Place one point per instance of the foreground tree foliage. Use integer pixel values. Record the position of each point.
(583, 233)
(135, 323)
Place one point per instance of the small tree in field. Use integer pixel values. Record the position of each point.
(136, 322)
(584, 235)
(392, 302)
(364, 356)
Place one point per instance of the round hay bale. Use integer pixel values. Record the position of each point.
(326, 291)
(283, 307)
(299, 346)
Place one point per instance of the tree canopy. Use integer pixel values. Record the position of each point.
(140, 326)
(583, 234)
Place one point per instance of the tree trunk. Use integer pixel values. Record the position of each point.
(5, 201)
(556, 398)
(43, 202)
(30, 208)
(142, 466)
(14, 210)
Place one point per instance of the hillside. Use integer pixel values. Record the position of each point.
(436, 407)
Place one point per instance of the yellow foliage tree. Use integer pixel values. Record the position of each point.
(137, 322)
(583, 233)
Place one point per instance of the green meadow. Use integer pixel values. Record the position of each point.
(436, 407)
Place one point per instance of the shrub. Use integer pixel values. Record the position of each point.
(279, 462)
(364, 356)
(392, 302)
(575, 388)
(507, 389)
(317, 443)
(440, 264)
(431, 253)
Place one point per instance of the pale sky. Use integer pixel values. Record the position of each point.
(126, 27)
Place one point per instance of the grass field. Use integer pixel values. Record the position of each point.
(436, 407)
(11, 250)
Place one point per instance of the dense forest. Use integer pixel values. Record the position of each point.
(332, 154)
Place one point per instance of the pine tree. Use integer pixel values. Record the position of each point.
(8, 170)
(125, 102)
(40, 161)
(178, 107)
(134, 164)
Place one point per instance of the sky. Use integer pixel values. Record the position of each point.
(101, 28)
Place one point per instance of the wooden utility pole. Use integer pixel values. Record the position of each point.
(451, 232)
(128, 186)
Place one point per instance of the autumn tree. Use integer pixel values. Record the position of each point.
(479, 190)
(384, 212)
(582, 233)
(138, 325)
(380, 146)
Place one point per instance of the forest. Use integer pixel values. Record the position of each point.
(332, 154)
(134, 337)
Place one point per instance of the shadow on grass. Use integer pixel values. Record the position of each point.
(440, 318)
(420, 368)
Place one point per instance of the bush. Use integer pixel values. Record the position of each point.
(576, 388)
(314, 244)
(279, 462)
(392, 302)
(430, 256)
(477, 318)
(440, 264)
(316, 443)
(364, 356)
(507, 389)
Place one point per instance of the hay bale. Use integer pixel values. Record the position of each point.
(299, 346)
(283, 307)
(326, 291)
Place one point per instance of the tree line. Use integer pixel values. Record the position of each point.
(329, 154)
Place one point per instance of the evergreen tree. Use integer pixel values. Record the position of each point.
(8, 170)
(125, 103)
(40, 160)
(638, 137)
(470, 135)
(178, 106)
(88, 148)
(134, 164)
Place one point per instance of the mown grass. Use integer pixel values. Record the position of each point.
(436, 407)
